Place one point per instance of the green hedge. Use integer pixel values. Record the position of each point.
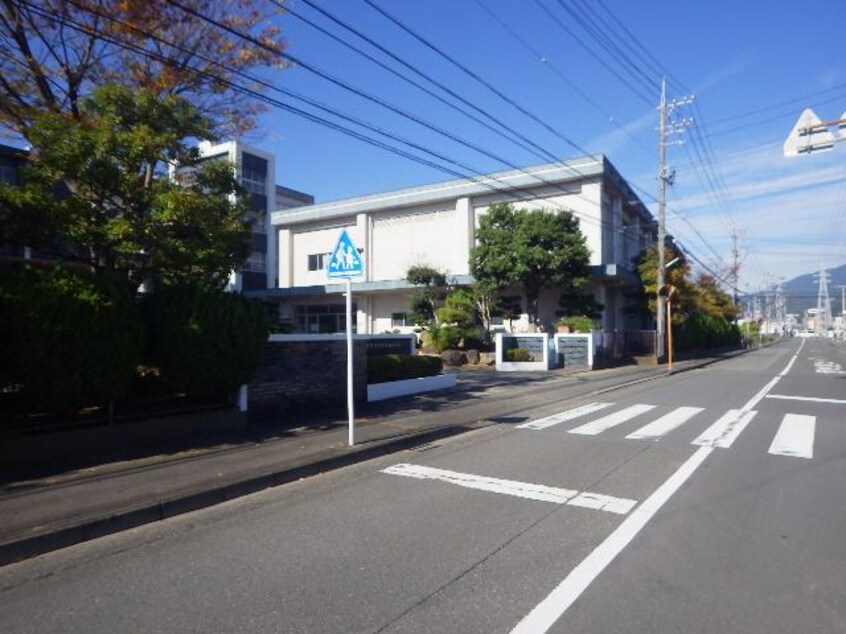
(203, 340)
(68, 339)
(704, 331)
(396, 367)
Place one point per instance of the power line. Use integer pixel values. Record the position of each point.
(635, 90)
(475, 76)
(484, 180)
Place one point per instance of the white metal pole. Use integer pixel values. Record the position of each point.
(350, 401)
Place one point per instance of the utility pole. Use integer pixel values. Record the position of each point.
(666, 126)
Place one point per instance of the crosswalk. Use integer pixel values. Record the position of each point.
(794, 437)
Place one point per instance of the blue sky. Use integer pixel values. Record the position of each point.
(753, 67)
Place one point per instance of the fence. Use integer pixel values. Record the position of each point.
(618, 346)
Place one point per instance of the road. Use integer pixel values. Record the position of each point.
(707, 501)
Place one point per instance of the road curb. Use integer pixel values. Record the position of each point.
(157, 510)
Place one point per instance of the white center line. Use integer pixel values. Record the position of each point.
(785, 397)
(612, 420)
(544, 615)
(540, 492)
(795, 436)
(665, 424)
(557, 602)
(563, 417)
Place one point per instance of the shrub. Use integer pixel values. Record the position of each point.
(69, 339)
(396, 367)
(517, 355)
(578, 324)
(204, 340)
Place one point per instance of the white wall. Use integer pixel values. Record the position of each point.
(305, 242)
(584, 204)
(432, 235)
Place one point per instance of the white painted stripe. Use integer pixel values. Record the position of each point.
(795, 436)
(612, 420)
(548, 611)
(563, 417)
(540, 492)
(665, 424)
(785, 397)
(725, 431)
(553, 607)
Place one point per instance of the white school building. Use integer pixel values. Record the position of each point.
(434, 225)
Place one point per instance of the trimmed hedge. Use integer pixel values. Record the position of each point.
(203, 340)
(704, 331)
(397, 367)
(68, 339)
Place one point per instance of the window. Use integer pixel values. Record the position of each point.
(398, 320)
(322, 319)
(318, 261)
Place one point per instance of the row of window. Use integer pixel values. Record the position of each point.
(324, 319)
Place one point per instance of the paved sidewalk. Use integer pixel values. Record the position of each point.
(45, 514)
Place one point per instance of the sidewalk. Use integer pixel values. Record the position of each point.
(45, 514)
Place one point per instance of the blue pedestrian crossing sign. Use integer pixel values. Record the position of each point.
(345, 260)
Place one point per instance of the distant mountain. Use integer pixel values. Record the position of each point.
(801, 292)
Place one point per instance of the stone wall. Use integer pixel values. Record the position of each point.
(306, 374)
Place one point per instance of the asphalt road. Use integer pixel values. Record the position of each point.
(708, 501)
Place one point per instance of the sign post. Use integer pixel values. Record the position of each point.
(346, 262)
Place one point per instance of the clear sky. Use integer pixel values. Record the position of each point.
(584, 76)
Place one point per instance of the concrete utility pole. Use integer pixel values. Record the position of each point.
(666, 126)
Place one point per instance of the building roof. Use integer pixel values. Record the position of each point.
(574, 170)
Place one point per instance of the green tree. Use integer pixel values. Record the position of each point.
(678, 275)
(117, 209)
(713, 300)
(537, 249)
(425, 300)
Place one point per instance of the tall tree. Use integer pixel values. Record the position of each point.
(425, 300)
(118, 209)
(713, 300)
(537, 249)
(54, 52)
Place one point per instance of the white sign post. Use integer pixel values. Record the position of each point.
(346, 262)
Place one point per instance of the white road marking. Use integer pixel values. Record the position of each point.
(785, 397)
(795, 436)
(612, 420)
(725, 431)
(563, 417)
(665, 424)
(544, 615)
(540, 492)
(828, 367)
(557, 602)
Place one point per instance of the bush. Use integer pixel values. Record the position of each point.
(68, 339)
(396, 367)
(578, 324)
(204, 340)
(518, 355)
